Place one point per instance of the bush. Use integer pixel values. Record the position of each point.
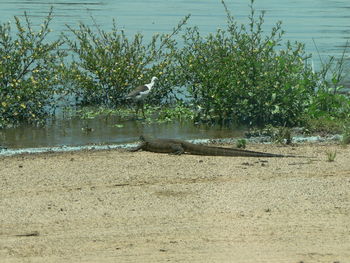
(29, 68)
(237, 75)
(109, 64)
(327, 101)
(240, 75)
(329, 104)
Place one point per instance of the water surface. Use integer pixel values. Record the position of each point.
(100, 130)
(324, 21)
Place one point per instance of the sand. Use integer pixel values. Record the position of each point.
(117, 206)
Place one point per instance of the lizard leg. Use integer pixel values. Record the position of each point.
(137, 148)
(177, 149)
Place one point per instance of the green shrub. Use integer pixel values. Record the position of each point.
(241, 144)
(323, 125)
(346, 134)
(108, 64)
(242, 75)
(331, 156)
(328, 104)
(168, 113)
(328, 109)
(327, 101)
(29, 72)
(237, 75)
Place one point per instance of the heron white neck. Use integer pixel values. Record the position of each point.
(150, 85)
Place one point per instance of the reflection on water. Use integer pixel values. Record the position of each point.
(324, 21)
(102, 130)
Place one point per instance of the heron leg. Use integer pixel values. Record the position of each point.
(143, 112)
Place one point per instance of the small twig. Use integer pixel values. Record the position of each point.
(318, 52)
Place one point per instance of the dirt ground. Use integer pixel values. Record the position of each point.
(117, 206)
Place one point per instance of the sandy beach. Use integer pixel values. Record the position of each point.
(119, 206)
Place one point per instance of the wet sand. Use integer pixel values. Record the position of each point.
(117, 206)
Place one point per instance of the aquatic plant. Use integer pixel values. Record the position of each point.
(328, 102)
(108, 64)
(242, 74)
(29, 71)
(169, 113)
(322, 125)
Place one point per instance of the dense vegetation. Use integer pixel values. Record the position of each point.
(239, 75)
(29, 72)
(107, 64)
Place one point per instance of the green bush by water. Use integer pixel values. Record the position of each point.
(242, 75)
(107, 65)
(29, 72)
(237, 75)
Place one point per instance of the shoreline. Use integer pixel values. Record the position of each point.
(100, 147)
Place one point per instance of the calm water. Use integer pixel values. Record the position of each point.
(102, 131)
(324, 21)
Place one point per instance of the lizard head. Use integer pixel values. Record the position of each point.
(142, 138)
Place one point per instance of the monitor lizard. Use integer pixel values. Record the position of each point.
(178, 147)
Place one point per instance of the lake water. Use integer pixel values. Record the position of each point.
(327, 22)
